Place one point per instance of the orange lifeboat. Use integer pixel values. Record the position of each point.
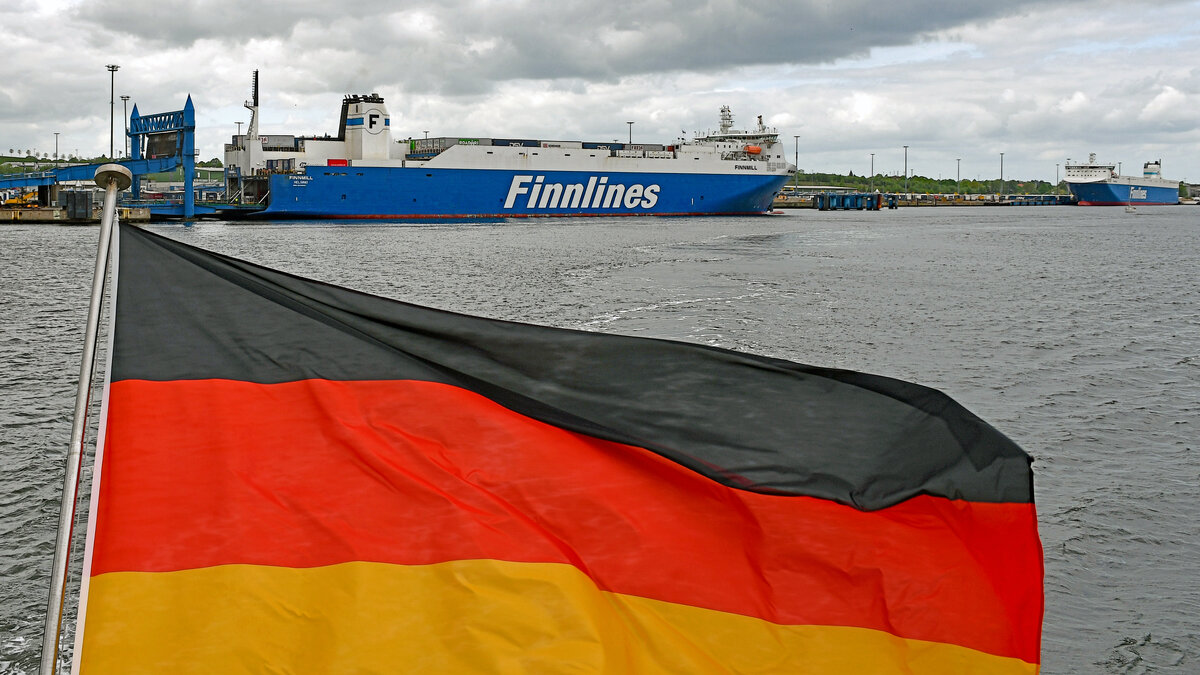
(753, 150)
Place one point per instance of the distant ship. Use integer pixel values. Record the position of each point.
(1099, 185)
(363, 173)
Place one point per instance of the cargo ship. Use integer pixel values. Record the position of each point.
(363, 173)
(1095, 184)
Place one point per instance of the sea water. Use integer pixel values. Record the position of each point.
(1073, 330)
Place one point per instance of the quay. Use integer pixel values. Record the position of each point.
(68, 216)
(158, 142)
(826, 198)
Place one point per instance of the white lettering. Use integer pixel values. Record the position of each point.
(633, 196)
(551, 196)
(597, 193)
(600, 192)
(516, 188)
(571, 194)
(613, 198)
(587, 194)
(651, 197)
(533, 194)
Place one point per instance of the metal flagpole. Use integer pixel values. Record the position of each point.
(113, 178)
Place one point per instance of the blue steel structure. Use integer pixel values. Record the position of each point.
(180, 122)
(86, 172)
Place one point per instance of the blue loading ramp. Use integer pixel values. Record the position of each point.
(159, 142)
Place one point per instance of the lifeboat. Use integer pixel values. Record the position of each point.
(753, 150)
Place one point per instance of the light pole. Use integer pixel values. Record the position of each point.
(871, 181)
(796, 174)
(906, 170)
(630, 132)
(1002, 172)
(958, 177)
(125, 111)
(56, 146)
(426, 133)
(112, 103)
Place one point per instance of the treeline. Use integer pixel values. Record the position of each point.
(924, 185)
(10, 164)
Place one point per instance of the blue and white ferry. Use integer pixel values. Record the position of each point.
(1095, 184)
(363, 173)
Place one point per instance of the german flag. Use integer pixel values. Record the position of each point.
(300, 478)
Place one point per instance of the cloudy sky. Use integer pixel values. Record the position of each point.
(1042, 82)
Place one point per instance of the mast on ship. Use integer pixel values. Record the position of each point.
(252, 104)
(760, 135)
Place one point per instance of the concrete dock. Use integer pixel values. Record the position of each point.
(850, 200)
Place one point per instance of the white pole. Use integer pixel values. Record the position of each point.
(111, 177)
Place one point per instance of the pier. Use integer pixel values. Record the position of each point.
(160, 142)
(824, 198)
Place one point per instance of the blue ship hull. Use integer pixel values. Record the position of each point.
(1120, 194)
(429, 193)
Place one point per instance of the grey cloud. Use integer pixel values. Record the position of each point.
(176, 24)
(545, 39)
(470, 66)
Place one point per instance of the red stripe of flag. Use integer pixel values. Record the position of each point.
(313, 473)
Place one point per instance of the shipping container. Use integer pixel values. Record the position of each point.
(516, 142)
(433, 145)
(278, 142)
(78, 204)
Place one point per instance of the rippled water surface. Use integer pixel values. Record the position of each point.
(1075, 331)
